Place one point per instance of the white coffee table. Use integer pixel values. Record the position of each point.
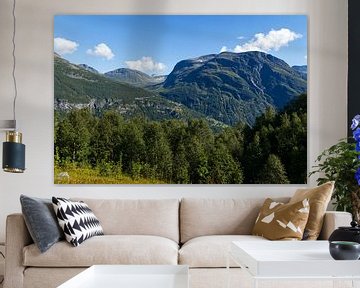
(292, 260)
(131, 276)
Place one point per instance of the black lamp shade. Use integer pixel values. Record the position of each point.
(13, 157)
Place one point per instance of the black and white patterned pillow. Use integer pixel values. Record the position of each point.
(77, 220)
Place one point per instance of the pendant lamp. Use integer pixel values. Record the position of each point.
(13, 159)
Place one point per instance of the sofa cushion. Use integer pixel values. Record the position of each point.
(107, 249)
(211, 251)
(158, 217)
(200, 217)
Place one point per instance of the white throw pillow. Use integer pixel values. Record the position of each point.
(77, 220)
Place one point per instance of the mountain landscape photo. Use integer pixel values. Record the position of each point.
(235, 116)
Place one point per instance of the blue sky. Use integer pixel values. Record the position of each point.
(154, 44)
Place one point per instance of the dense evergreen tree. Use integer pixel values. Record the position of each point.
(180, 166)
(273, 172)
(133, 147)
(158, 154)
(106, 140)
(253, 159)
(178, 151)
(73, 136)
(222, 166)
(197, 158)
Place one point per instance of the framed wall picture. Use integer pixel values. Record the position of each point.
(180, 99)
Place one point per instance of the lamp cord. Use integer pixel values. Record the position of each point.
(14, 58)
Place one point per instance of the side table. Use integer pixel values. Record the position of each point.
(293, 264)
(131, 276)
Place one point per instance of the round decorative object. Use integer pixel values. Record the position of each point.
(345, 233)
(344, 250)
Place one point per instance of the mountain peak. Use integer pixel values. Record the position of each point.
(89, 68)
(233, 87)
(227, 87)
(133, 77)
(300, 68)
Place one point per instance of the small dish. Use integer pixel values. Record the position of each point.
(344, 250)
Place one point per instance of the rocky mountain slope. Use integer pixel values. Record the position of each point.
(133, 77)
(233, 87)
(77, 87)
(224, 88)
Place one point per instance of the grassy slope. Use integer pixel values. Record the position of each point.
(91, 176)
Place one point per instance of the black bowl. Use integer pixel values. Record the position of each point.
(344, 250)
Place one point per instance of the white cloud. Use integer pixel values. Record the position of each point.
(240, 37)
(101, 50)
(223, 49)
(146, 65)
(305, 57)
(273, 40)
(63, 46)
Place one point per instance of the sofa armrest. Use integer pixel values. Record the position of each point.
(333, 220)
(17, 237)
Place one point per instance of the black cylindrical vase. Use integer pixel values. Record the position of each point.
(13, 153)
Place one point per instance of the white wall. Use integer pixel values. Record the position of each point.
(327, 56)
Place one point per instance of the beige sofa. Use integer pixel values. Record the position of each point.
(194, 232)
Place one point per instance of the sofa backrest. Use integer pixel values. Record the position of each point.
(159, 217)
(200, 217)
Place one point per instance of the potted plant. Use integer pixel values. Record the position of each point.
(341, 163)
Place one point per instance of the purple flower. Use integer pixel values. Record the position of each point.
(357, 176)
(355, 122)
(356, 134)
